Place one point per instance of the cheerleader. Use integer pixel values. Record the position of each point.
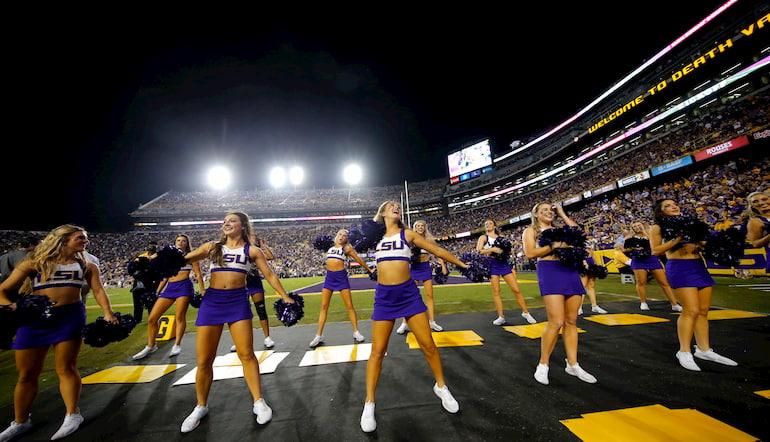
(758, 231)
(692, 286)
(337, 280)
(257, 291)
(176, 290)
(589, 281)
(55, 269)
(561, 289)
(226, 301)
(485, 246)
(421, 272)
(397, 296)
(642, 261)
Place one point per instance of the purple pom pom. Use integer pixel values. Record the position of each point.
(100, 332)
(726, 247)
(323, 242)
(596, 271)
(478, 267)
(439, 277)
(640, 248)
(196, 300)
(371, 233)
(31, 308)
(290, 314)
(691, 229)
(571, 256)
(168, 262)
(505, 245)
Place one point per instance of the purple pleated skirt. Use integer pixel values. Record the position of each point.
(220, 306)
(499, 268)
(177, 289)
(397, 301)
(649, 263)
(421, 271)
(254, 285)
(336, 280)
(688, 273)
(554, 278)
(65, 324)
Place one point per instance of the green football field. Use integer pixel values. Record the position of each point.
(449, 299)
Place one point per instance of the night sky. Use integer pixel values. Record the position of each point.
(109, 113)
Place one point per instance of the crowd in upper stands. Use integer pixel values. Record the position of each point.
(716, 193)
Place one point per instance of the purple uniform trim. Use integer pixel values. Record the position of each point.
(224, 306)
(65, 324)
(336, 280)
(397, 301)
(554, 278)
(177, 289)
(688, 273)
(648, 263)
(421, 271)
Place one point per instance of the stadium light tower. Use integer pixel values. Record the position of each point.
(277, 177)
(352, 174)
(296, 175)
(219, 177)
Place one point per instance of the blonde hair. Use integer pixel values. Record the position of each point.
(380, 217)
(343, 230)
(427, 234)
(45, 255)
(535, 222)
(751, 211)
(246, 234)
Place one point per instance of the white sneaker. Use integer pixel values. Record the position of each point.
(269, 342)
(644, 306)
(711, 355)
(145, 351)
(175, 350)
(233, 348)
(499, 321)
(597, 309)
(194, 419)
(447, 400)
(15, 429)
(70, 425)
(576, 370)
(580, 311)
(541, 374)
(435, 327)
(676, 308)
(358, 337)
(368, 424)
(403, 328)
(686, 361)
(263, 411)
(528, 317)
(317, 340)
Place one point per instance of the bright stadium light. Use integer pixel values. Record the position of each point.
(219, 177)
(352, 174)
(296, 175)
(277, 177)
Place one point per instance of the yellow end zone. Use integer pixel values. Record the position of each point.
(130, 374)
(336, 354)
(532, 331)
(653, 422)
(732, 314)
(459, 338)
(624, 319)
